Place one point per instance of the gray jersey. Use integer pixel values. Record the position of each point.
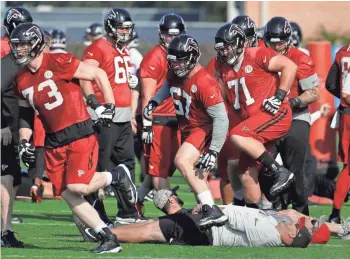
(247, 227)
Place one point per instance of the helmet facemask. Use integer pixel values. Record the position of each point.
(166, 36)
(252, 41)
(23, 52)
(227, 53)
(281, 47)
(180, 67)
(122, 34)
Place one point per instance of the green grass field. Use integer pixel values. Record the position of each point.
(48, 232)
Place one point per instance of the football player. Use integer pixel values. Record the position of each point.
(294, 146)
(10, 168)
(45, 86)
(161, 137)
(249, 28)
(58, 41)
(338, 84)
(116, 145)
(92, 33)
(201, 117)
(258, 95)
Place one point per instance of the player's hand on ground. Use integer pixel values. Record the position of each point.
(6, 136)
(105, 114)
(207, 161)
(272, 104)
(26, 152)
(133, 81)
(148, 110)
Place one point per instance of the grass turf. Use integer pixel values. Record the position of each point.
(48, 232)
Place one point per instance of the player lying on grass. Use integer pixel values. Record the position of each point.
(246, 227)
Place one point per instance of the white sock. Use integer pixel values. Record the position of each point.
(100, 227)
(206, 198)
(239, 194)
(142, 192)
(108, 177)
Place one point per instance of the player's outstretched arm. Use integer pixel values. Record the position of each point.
(92, 73)
(288, 69)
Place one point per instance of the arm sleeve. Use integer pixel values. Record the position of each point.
(26, 117)
(9, 69)
(306, 73)
(333, 80)
(162, 94)
(220, 126)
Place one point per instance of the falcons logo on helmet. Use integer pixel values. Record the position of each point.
(234, 29)
(250, 23)
(34, 32)
(287, 28)
(111, 14)
(13, 13)
(191, 45)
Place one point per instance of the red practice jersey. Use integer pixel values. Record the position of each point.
(5, 47)
(57, 101)
(116, 63)
(250, 82)
(306, 76)
(343, 61)
(261, 43)
(155, 65)
(192, 98)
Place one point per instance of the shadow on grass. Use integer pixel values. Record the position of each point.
(46, 216)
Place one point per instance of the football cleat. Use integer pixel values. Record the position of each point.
(109, 243)
(335, 220)
(129, 219)
(283, 179)
(212, 216)
(150, 195)
(8, 239)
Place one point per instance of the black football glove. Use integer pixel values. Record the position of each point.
(26, 152)
(273, 103)
(105, 114)
(207, 161)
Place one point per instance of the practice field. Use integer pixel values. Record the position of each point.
(49, 233)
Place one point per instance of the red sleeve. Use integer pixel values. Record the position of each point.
(93, 52)
(66, 64)
(209, 92)
(263, 57)
(306, 67)
(151, 67)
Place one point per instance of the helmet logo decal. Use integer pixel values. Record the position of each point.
(287, 28)
(234, 29)
(191, 45)
(13, 13)
(112, 14)
(34, 31)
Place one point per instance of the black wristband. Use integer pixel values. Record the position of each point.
(92, 101)
(281, 94)
(295, 102)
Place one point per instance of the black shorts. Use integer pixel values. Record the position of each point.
(181, 229)
(10, 163)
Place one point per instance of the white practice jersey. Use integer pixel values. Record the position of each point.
(136, 59)
(247, 227)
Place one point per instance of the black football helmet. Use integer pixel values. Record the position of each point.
(297, 35)
(230, 42)
(119, 19)
(58, 39)
(92, 33)
(183, 55)
(27, 41)
(278, 34)
(170, 25)
(249, 28)
(14, 17)
(260, 33)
